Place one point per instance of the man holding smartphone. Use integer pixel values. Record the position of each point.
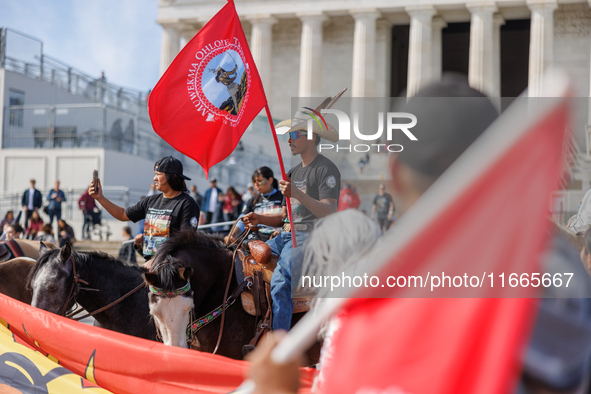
(164, 213)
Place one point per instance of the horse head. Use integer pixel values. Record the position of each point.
(170, 299)
(51, 279)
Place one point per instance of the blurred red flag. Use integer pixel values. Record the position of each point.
(494, 218)
(210, 93)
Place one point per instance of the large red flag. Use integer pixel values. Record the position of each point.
(92, 359)
(210, 93)
(489, 210)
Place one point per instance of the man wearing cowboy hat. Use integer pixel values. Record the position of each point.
(313, 187)
(164, 213)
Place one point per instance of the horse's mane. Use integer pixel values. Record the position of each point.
(81, 258)
(185, 239)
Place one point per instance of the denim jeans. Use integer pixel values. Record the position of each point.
(289, 266)
(57, 213)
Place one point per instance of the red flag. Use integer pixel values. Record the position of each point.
(106, 359)
(493, 215)
(210, 93)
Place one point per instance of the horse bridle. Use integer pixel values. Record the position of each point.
(75, 286)
(157, 291)
(75, 289)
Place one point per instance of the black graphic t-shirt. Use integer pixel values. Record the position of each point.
(319, 179)
(266, 204)
(163, 216)
(382, 204)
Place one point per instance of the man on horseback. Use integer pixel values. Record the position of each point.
(164, 213)
(313, 187)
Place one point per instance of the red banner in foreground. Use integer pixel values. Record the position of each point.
(108, 360)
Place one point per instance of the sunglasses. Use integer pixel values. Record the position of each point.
(294, 135)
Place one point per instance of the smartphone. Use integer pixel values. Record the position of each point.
(95, 180)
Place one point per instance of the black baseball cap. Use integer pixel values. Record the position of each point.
(170, 165)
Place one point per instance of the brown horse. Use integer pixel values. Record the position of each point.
(13, 277)
(29, 249)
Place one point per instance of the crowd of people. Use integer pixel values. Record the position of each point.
(34, 227)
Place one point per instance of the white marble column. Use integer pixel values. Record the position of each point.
(311, 55)
(437, 25)
(541, 44)
(364, 53)
(170, 45)
(420, 64)
(261, 42)
(481, 63)
(498, 21)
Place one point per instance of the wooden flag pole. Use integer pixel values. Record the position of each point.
(283, 175)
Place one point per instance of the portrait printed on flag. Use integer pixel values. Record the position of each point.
(225, 82)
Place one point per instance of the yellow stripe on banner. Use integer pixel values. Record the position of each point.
(29, 370)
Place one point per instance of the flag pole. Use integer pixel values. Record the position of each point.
(283, 175)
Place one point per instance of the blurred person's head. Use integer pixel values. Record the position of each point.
(193, 188)
(61, 223)
(56, 186)
(213, 183)
(231, 192)
(445, 129)
(9, 215)
(35, 216)
(13, 231)
(32, 182)
(47, 228)
(126, 232)
(263, 180)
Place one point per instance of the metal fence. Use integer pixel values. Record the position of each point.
(82, 126)
(23, 54)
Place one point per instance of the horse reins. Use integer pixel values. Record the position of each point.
(76, 285)
(239, 241)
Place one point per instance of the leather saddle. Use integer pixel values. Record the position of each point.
(259, 263)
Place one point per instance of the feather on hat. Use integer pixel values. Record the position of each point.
(300, 122)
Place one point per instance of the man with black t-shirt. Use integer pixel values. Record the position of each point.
(313, 187)
(164, 213)
(384, 207)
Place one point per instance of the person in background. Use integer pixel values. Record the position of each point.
(87, 205)
(210, 201)
(383, 205)
(8, 219)
(46, 234)
(31, 201)
(127, 252)
(581, 221)
(13, 231)
(152, 190)
(66, 233)
(267, 201)
(55, 198)
(249, 193)
(348, 198)
(35, 225)
(196, 196)
(232, 204)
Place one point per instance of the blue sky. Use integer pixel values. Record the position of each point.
(119, 37)
(216, 92)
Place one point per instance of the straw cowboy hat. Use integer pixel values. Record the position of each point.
(300, 121)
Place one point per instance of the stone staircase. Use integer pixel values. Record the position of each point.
(109, 247)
